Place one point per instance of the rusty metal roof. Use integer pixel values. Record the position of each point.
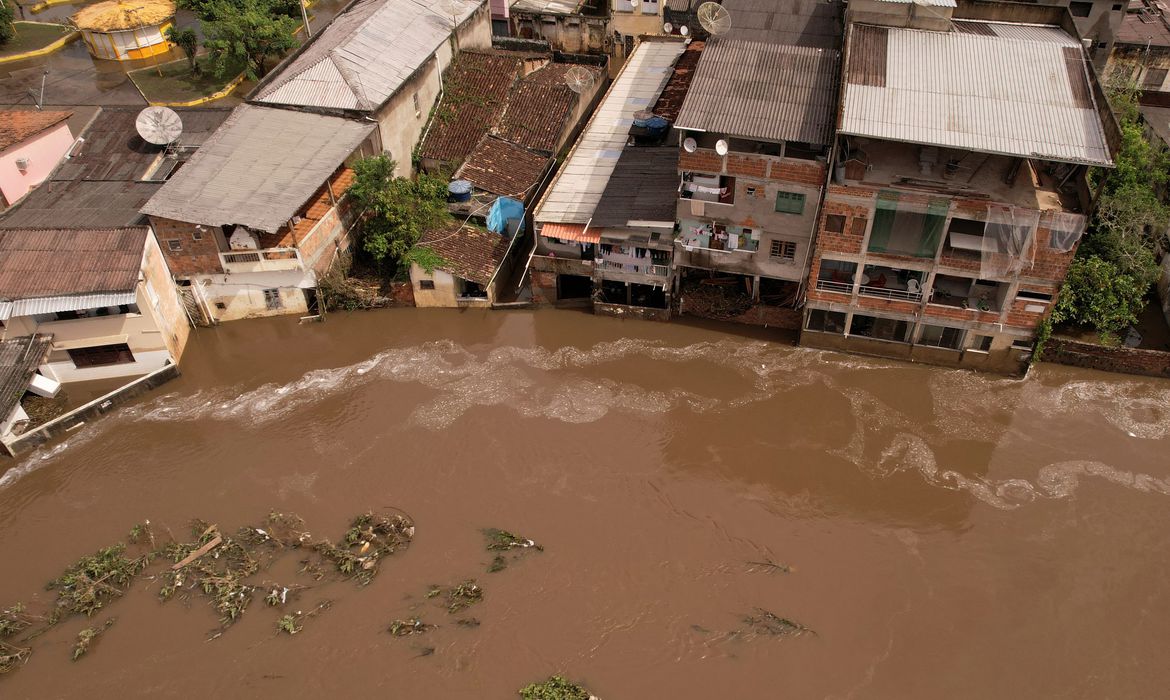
(364, 54)
(769, 92)
(258, 168)
(37, 263)
(1019, 90)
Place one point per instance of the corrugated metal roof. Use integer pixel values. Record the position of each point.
(643, 187)
(928, 3)
(51, 263)
(547, 7)
(365, 54)
(812, 23)
(19, 358)
(763, 91)
(1019, 90)
(259, 168)
(50, 305)
(574, 193)
(571, 232)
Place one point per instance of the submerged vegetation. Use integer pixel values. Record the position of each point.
(86, 638)
(502, 541)
(765, 622)
(555, 688)
(369, 539)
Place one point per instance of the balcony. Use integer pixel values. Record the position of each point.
(891, 283)
(968, 293)
(836, 276)
(265, 260)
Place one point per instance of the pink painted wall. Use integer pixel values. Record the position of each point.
(44, 151)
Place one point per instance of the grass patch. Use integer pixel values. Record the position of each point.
(174, 82)
(31, 36)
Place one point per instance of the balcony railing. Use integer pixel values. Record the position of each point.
(643, 268)
(831, 286)
(884, 293)
(266, 260)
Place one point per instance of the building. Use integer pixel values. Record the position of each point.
(19, 359)
(631, 19)
(260, 210)
(382, 60)
(102, 296)
(126, 31)
(567, 250)
(1141, 50)
(756, 129)
(470, 269)
(31, 145)
(570, 26)
(959, 187)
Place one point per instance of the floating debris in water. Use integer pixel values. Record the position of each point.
(555, 688)
(369, 539)
(12, 656)
(463, 596)
(406, 628)
(216, 564)
(86, 638)
(504, 541)
(764, 622)
(769, 566)
(16, 619)
(87, 585)
(291, 624)
(467, 622)
(288, 624)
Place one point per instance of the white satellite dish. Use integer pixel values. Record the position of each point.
(721, 147)
(159, 125)
(579, 79)
(684, 30)
(667, 28)
(689, 145)
(714, 17)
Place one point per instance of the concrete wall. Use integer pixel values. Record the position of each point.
(165, 305)
(447, 292)
(1000, 359)
(644, 313)
(240, 296)
(1149, 363)
(568, 33)
(43, 152)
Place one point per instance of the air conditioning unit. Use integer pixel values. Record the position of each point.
(22, 164)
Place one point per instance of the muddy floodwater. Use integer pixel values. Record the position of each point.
(945, 534)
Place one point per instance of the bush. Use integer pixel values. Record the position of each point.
(7, 31)
(398, 210)
(1100, 294)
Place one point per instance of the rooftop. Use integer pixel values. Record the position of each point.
(577, 188)
(808, 23)
(19, 358)
(19, 125)
(503, 168)
(53, 262)
(670, 101)
(547, 7)
(1159, 120)
(114, 15)
(100, 185)
(364, 54)
(763, 91)
(1145, 26)
(539, 107)
(474, 89)
(471, 253)
(1009, 89)
(258, 168)
(642, 188)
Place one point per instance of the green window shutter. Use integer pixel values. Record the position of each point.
(789, 203)
(883, 221)
(932, 227)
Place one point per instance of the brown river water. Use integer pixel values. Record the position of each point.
(949, 535)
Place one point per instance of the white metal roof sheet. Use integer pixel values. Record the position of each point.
(927, 3)
(76, 302)
(577, 188)
(365, 54)
(1018, 90)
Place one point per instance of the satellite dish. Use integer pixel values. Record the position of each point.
(689, 145)
(721, 147)
(667, 28)
(579, 79)
(159, 125)
(714, 17)
(684, 30)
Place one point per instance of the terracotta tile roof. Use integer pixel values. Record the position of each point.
(54, 262)
(539, 106)
(18, 125)
(473, 253)
(474, 89)
(503, 168)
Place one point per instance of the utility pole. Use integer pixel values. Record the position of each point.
(305, 17)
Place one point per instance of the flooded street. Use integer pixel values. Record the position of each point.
(947, 534)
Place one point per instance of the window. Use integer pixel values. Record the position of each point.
(789, 203)
(880, 328)
(151, 294)
(272, 299)
(834, 223)
(836, 276)
(826, 321)
(941, 337)
(750, 190)
(417, 105)
(101, 355)
(175, 244)
(1033, 296)
(981, 343)
(1154, 78)
(649, 7)
(426, 284)
(911, 230)
(784, 250)
(1117, 7)
(1022, 344)
(197, 234)
(473, 290)
(708, 188)
(1080, 9)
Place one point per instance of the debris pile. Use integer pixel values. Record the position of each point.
(717, 297)
(501, 542)
(764, 622)
(87, 636)
(406, 628)
(369, 539)
(555, 688)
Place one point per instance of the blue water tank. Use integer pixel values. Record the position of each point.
(459, 191)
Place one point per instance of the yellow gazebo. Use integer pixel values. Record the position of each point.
(124, 30)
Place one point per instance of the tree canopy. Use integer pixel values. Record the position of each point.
(247, 32)
(398, 210)
(7, 30)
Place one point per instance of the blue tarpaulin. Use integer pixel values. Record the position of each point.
(506, 216)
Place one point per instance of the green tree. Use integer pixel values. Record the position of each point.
(206, 9)
(398, 210)
(246, 32)
(188, 41)
(7, 30)
(1100, 294)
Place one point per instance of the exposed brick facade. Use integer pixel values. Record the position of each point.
(1149, 363)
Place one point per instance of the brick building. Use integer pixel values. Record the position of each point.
(959, 189)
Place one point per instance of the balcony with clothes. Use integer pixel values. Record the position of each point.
(891, 283)
(614, 259)
(963, 174)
